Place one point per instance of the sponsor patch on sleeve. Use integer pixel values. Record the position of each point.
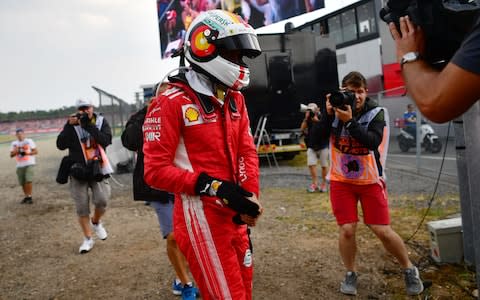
(191, 115)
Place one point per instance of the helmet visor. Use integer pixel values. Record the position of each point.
(246, 43)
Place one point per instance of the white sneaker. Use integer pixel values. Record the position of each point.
(86, 246)
(100, 231)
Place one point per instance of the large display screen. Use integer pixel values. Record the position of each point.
(174, 16)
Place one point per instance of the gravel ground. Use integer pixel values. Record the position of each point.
(295, 242)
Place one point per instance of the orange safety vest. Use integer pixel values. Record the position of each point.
(351, 162)
(94, 150)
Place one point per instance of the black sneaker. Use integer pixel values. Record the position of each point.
(26, 200)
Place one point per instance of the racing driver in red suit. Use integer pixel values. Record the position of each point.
(198, 145)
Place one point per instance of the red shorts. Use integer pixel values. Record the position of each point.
(373, 198)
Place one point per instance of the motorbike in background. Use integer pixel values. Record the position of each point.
(429, 140)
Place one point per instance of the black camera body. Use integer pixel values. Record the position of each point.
(444, 22)
(92, 171)
(311, 114)
(21, 152)
(83, 118)
(341, 99)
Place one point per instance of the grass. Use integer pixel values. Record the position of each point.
(6, 138)
(300, 160)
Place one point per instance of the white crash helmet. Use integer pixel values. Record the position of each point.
(217, 29)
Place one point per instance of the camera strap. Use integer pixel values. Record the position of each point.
(84, 137)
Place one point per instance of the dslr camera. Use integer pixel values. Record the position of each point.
(21, 152)
(82, 118)
(311, 108)
(341, 99)
(444, 22)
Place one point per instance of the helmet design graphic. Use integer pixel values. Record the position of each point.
(216, 32)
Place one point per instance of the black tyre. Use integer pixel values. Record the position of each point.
(403, 145)
(436, 146)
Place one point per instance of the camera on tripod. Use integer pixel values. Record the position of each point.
(444, 22)
(341, 99)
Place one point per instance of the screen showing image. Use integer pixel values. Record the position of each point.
(175, 16)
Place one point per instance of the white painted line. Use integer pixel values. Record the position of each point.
(422, 157)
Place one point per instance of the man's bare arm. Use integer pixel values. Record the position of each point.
(440, 96)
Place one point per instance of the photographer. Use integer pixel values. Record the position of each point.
(440, 95)
(86, 135)
(24, 151)
(358, 147)
(315, 151)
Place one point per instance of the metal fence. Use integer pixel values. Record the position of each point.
(114, 109)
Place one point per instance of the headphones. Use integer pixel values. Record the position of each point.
(200, 43)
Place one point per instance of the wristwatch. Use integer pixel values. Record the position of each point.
(409, 57)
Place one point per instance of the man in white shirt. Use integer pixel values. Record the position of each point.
(23, 150)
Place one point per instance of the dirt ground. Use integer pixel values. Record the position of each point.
(295, 243)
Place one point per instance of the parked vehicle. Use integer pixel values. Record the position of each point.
(429, 140)
(294, 68)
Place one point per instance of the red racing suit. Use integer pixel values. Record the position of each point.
(186, 133)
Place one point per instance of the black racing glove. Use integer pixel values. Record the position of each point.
(231, 194)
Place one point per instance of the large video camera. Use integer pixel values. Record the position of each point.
(444, 22)
(341, 99)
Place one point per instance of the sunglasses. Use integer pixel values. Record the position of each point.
(83, 107)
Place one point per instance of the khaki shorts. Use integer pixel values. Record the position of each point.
(100, 193)
(25, 174)
(313, 157)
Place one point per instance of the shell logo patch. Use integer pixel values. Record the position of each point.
(191, 115)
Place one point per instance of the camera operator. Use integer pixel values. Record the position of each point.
(86, 135)
(440, 95)
(358, 148)
(315, 151)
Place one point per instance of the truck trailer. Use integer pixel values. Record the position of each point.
(294, 68)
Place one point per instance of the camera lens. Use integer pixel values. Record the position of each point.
(341, 98)
(337, 99)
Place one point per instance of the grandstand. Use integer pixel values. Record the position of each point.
(33, 126)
